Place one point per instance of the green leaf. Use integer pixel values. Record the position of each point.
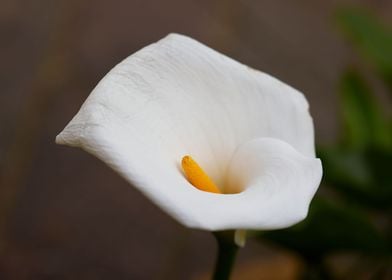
(345, 166)
(362, 177)
(379, 163)
(364, 122)
(330, 227)
(373, 38)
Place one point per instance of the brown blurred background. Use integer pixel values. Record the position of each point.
(71, 217)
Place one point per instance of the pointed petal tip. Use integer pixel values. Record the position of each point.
(178, 36)
(68, 137)
(59, 140)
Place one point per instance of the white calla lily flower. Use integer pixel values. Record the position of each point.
(252, 134)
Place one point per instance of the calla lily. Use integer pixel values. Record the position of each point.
(251, 133)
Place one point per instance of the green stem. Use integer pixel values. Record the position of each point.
(227, 251)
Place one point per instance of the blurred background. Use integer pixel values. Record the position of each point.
(65, 215)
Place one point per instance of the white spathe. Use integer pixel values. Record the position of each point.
(247, 130)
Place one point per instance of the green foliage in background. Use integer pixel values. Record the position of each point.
(353, 210)
(371, 38)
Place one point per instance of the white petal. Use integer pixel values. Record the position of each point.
(178, 97)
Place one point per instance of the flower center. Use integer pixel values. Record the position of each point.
(196, 175)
